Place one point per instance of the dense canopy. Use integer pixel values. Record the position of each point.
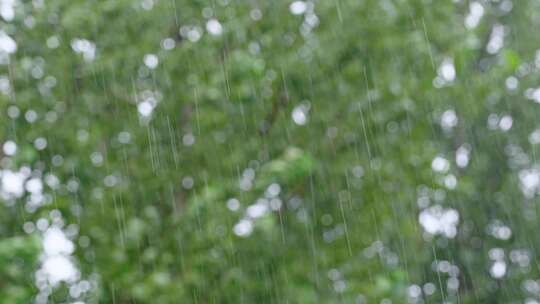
(227, 151)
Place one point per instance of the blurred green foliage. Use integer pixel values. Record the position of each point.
(18, 260)
(152, 196)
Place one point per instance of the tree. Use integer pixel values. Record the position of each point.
(274, 152)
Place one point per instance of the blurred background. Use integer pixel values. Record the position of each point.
(228, 151)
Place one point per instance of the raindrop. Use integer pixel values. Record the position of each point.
(298, 7)
(40, 143)
(214, 27)
(440, 164)
(188, 182)
(10, 148)
(449, 120)
(151, 61)
(498, 269)
(300, 115)
(233, 204)
(506, 122)
(7, 44)
(168, 44)
(243, 228)
(145, 108)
